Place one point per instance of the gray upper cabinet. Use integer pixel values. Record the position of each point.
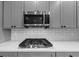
(1, 13)
(43, 6)
(30, 6)
(17, 13)
(13, 14)
(62, 14)
(78, 14)
(13, 11)
(7, 14)
(37, 5)
(54, 14)
(68, 14)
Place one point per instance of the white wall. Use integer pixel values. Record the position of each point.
(50, 34)
(5, 35)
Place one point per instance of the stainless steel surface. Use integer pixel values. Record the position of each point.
(36, 18)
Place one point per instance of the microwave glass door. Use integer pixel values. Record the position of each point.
(33, 19)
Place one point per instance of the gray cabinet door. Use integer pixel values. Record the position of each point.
(8, 54)
(1, 13)
(35, 54)
(54, 14)
(13, 14)
(30, 6)
(17, 13)
(43, 6)
(78, 14)
(37, 5)
(67, 54)
(68, 14)
(7, 14)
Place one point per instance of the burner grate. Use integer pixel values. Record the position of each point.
(35, 43)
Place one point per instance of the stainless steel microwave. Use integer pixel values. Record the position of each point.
(36, 20)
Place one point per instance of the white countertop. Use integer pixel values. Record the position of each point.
(58, 46)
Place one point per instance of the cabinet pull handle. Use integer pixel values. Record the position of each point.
(70, 56)
(14, 26)
(11, 26)
(63, 26)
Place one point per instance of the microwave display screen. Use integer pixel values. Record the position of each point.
(33, 19)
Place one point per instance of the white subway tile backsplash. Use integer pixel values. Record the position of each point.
(50, 34)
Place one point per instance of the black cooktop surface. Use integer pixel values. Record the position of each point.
(35, 43)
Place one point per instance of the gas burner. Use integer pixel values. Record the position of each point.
(35, 43)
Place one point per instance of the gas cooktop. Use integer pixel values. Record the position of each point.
(35, 43)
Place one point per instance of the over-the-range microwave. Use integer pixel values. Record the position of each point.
(36, 20)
